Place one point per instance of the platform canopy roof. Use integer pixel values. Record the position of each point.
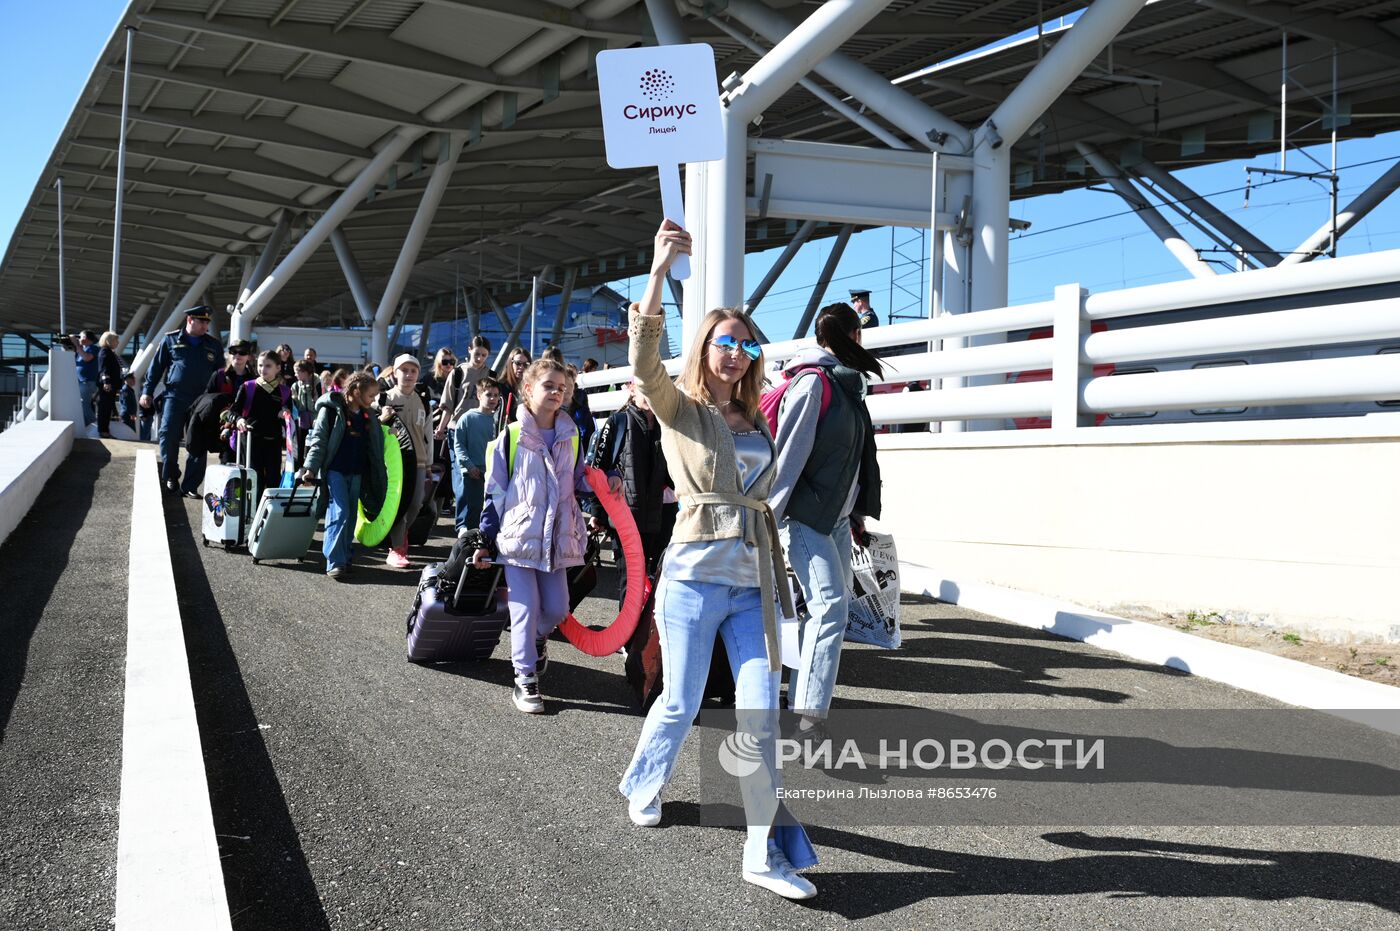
(241, 109)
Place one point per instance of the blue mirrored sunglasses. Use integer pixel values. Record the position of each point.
(728, 344)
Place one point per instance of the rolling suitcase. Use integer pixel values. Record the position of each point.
(285, 524)
(230, 496)
(459, 611)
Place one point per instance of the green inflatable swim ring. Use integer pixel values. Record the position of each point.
(372, 532)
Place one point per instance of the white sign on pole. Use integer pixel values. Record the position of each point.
(661, 107)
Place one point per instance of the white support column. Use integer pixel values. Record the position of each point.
(271, 249)
(666, 22)
(527, 313)
(1075, 50)
(121, 180)
(991, 216)
(136, 320)
(838, 248)
(499, 311)
(423, 334)
(249, 263)
(570, 277)
(391, 340)
(816, 90)
(398, 143)
(726, 213)
(1207, 211)
(1067, 368)
(820, 34)
(449, 148)
(804, 233)
(993, 141)
(167, 304)
(192, 296)
(1355, 211)
(1176, 245)
(353, 277)
(914, 117)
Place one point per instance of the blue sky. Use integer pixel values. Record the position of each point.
(48, 49)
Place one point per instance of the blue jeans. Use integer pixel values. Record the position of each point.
(341, 512)
(469, 494)
(143, 431)
(688, 617)
(172, 429)
(87, 393)
(822, 562)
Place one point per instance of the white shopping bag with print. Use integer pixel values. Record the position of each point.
(874, 611)
(788, 627)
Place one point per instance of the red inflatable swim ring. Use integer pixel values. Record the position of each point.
(613, 637)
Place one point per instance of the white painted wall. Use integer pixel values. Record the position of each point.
(29, 454)
(1289, 522)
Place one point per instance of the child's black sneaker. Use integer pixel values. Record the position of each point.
(526, 694)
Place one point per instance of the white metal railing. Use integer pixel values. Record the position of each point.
(1073, 394)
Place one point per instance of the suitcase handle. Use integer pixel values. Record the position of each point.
(462, 584)
(298, 505)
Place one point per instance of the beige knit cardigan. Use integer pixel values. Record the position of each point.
(700, 456)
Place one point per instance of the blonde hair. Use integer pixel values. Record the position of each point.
(109, 340)
(537, 370)
(692, 377)
(443, 353)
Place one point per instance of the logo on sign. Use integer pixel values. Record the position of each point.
(657, 84)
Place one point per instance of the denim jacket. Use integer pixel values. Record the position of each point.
(532, 514)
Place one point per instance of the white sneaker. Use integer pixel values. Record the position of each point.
(789, 886)
(777, 860)
(526, 695)
(645, 816)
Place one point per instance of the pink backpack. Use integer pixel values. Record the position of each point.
(773, 397)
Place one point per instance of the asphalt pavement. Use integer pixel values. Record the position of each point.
(352, 789)
(63, 590)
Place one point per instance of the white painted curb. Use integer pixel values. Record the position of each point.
(168, 869)
(1286, 680)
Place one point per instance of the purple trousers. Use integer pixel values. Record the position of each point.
(539, 602)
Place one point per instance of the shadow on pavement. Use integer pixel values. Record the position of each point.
(266, 876)
(35, 557)
(1120, 866)
(1017, 667)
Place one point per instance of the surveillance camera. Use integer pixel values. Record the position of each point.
(993, 137)
(937, 137)
(1019, 226)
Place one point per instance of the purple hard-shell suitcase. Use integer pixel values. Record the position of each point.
(463, 621)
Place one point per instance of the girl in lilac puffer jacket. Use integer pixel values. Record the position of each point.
(532, 516)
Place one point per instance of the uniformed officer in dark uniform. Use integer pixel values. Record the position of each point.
(860, 300)
(185, 360)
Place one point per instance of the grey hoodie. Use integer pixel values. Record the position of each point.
(798, 413)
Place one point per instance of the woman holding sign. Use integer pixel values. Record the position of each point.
(718, 575)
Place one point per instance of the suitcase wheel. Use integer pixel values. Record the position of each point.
(255, 560)
(205, 541)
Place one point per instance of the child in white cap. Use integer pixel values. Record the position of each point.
(414, 417)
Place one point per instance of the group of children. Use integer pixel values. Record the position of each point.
(718, 488)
